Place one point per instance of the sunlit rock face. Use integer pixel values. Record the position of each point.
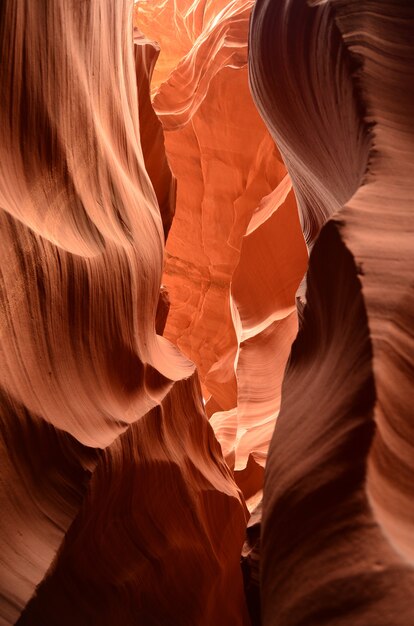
(235, 254)
(168, 171)
(94, 401)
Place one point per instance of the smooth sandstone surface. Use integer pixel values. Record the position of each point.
(206, 313)
(159, 534)
(84, 185)
(341, 459)
(235, 255)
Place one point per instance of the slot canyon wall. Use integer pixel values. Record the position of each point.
(207, 333)
(338, 491)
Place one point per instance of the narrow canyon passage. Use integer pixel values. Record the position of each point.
(207, 313)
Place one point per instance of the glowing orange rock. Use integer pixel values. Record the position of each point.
(235, 241)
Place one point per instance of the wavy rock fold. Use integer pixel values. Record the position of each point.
(207, 313)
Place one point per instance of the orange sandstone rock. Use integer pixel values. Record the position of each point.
(84, 372)
(236, 248)
(337, 540)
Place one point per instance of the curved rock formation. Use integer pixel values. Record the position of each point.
(324, 557)
(81, 265)
(158, 537)
(302, 78)
(236, 221)
(151, 134)
(341, 457)
(76, 199)
(154, 247)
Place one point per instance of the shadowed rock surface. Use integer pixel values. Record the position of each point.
(337, 520)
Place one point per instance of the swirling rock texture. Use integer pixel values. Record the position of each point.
(155, 236)
(89, 400)
(235, 254)
(334, 83)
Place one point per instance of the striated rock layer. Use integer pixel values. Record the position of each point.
(103, 434)
(338, 520)
(152, 280)
(157, 539)
(235, 253)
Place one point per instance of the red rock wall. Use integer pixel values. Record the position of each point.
(164, 176)
(235, 255)
(341, 458)
(103, 454)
